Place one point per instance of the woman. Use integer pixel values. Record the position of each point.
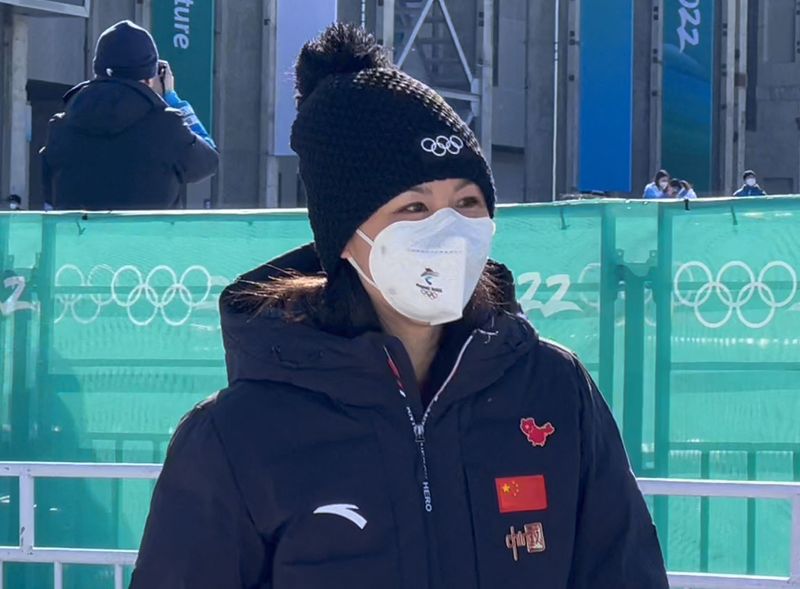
(392, 420)
(686, 190)
(680, 189)
(659, 187)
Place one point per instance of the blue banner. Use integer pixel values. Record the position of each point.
(688, 97)
(606, 111)
(184, 33)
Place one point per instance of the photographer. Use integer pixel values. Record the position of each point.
(125, 140)
(14, 202)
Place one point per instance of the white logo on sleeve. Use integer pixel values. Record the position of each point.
(348, 512)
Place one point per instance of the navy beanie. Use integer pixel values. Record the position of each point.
(126, 50)
(366, 132)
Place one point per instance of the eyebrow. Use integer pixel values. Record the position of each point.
(422, 189)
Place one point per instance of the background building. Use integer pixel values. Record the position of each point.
(705, 88)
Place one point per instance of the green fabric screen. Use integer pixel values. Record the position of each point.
(688, 319)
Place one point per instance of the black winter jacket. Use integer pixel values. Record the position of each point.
(307, 471)
(746, 190)
(117, 146)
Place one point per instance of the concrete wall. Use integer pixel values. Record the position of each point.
(539, 101)
(773, 136)
(15, 114)
(4, 78)
(65, 66)
(509, 90)
(538, 120)
(643, 164)
(237, 129)
(60, 50)
(508, 167)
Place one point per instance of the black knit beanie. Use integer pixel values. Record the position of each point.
(366, 131)
(126, 50)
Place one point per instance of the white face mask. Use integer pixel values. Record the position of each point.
(427, 270)
(663, 185)
(750, 181)
(13, 206)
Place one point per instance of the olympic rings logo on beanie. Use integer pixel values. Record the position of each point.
(442, 145)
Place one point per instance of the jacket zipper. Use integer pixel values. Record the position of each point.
(418, 428)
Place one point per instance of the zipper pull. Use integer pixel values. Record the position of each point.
(419, 433)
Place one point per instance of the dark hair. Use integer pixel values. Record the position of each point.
(675, 183)
(686, 185)
(747, 174)
(660, 174)
(341, 306)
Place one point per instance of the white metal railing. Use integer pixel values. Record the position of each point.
(747, 490)
(27, 551)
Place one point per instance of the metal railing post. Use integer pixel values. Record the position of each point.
(662, 295)
(27, 537)
(705, 512)
(58, 575)
(118, 576)
(794, 558)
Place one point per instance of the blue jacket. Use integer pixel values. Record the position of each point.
(319, 466)
(652, 190)
(173, 100)
(746, 190)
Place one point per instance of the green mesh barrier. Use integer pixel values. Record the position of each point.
(688, 319)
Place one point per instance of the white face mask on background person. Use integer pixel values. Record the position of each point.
(13, 206)
(750, 181)
(427, 270)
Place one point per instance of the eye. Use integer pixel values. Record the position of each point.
(469, 202)
(414, 207)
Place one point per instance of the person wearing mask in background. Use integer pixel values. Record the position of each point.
(686, 191)
(680, 189)
(659, 187)
(392, 418)
(750, 186)
(125, 139)
(14, 202)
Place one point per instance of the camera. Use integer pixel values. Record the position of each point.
(162, 73)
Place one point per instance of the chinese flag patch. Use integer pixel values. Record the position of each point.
(521, 494)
